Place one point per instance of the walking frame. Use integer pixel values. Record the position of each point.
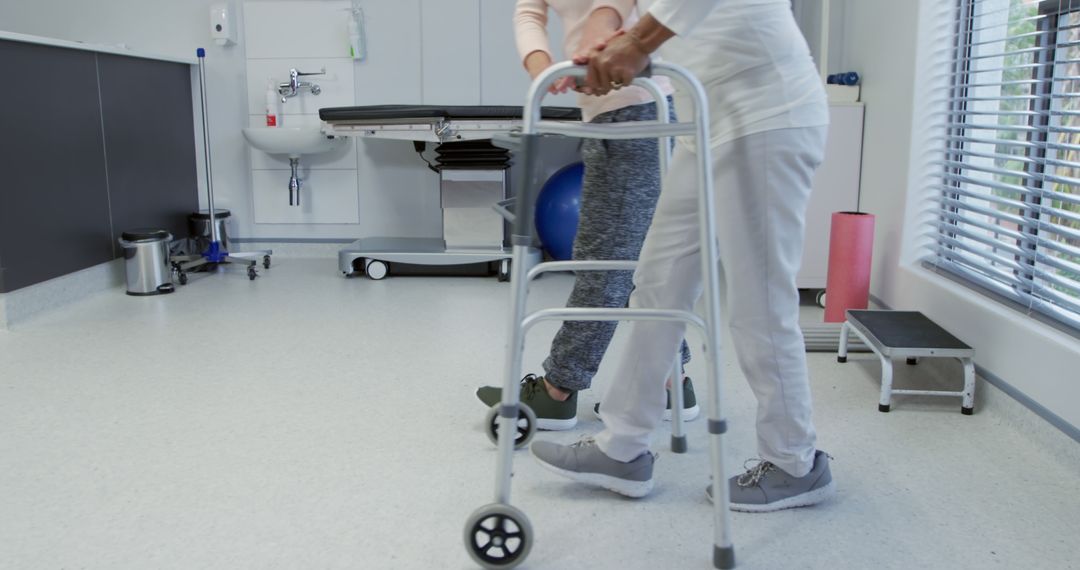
(499, 535)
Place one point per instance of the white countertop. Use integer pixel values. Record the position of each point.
(100, 48)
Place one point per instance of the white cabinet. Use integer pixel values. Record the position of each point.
(836, 189)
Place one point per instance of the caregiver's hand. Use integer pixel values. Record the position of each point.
(614, 63)
(620, 59)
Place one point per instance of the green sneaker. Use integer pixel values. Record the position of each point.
(691, 410)
(551, 414)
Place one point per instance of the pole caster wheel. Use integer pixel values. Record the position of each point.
(376, 269)
(503, 274)
(526, 425)
(266, 262)
(252, 274)
(182, 277)
(498, 536)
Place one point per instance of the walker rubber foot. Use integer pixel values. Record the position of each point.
(841, 359)
(678, 444)
(912, 361)
(967, 411)
(724, 558)
(884, 408)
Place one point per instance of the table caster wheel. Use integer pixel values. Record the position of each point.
(182, 278)
(252, 274)
(498, 536)
(376, 269)
(266, 262)
(526, 425)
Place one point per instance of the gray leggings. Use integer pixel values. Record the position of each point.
(618, 197)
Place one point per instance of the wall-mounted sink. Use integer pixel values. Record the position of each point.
(291, 141)
(294, 142)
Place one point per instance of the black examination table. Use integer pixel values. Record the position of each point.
(472, 179)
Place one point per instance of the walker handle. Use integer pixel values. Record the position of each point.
(579, 80)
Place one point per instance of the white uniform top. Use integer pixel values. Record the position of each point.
(751, 58)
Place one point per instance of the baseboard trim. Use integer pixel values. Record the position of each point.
(21, 304)
(1039, 410)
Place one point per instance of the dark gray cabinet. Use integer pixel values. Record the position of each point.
(149, 139)
(91, 145)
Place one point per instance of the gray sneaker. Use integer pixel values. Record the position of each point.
(551, 414)
(585, 463)
(765, 487)
(691, 410)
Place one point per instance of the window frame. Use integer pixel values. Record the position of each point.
(1025, 285)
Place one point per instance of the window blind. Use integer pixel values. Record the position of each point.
(1008, 213)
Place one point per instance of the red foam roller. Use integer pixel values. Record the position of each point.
(851, 249)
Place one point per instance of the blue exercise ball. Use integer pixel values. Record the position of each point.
(557, 210)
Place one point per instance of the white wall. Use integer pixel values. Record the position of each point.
(888, 77)
(809, 13)
(310, 37)
(902, 88)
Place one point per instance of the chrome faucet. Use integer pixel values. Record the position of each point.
(293, 87)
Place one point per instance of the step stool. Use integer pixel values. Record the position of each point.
(910, 335)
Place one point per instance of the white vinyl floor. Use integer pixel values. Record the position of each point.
(307, 421)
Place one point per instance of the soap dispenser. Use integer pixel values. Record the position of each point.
(273, 114)
(222, 24)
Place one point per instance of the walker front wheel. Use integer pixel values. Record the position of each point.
(526, 425)
(498, 536)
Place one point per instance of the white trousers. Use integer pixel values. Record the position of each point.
(762, 184)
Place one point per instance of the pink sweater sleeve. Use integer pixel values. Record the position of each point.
(623, 7)
(530, 27)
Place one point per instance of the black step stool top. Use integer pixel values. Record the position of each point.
(907, 333)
